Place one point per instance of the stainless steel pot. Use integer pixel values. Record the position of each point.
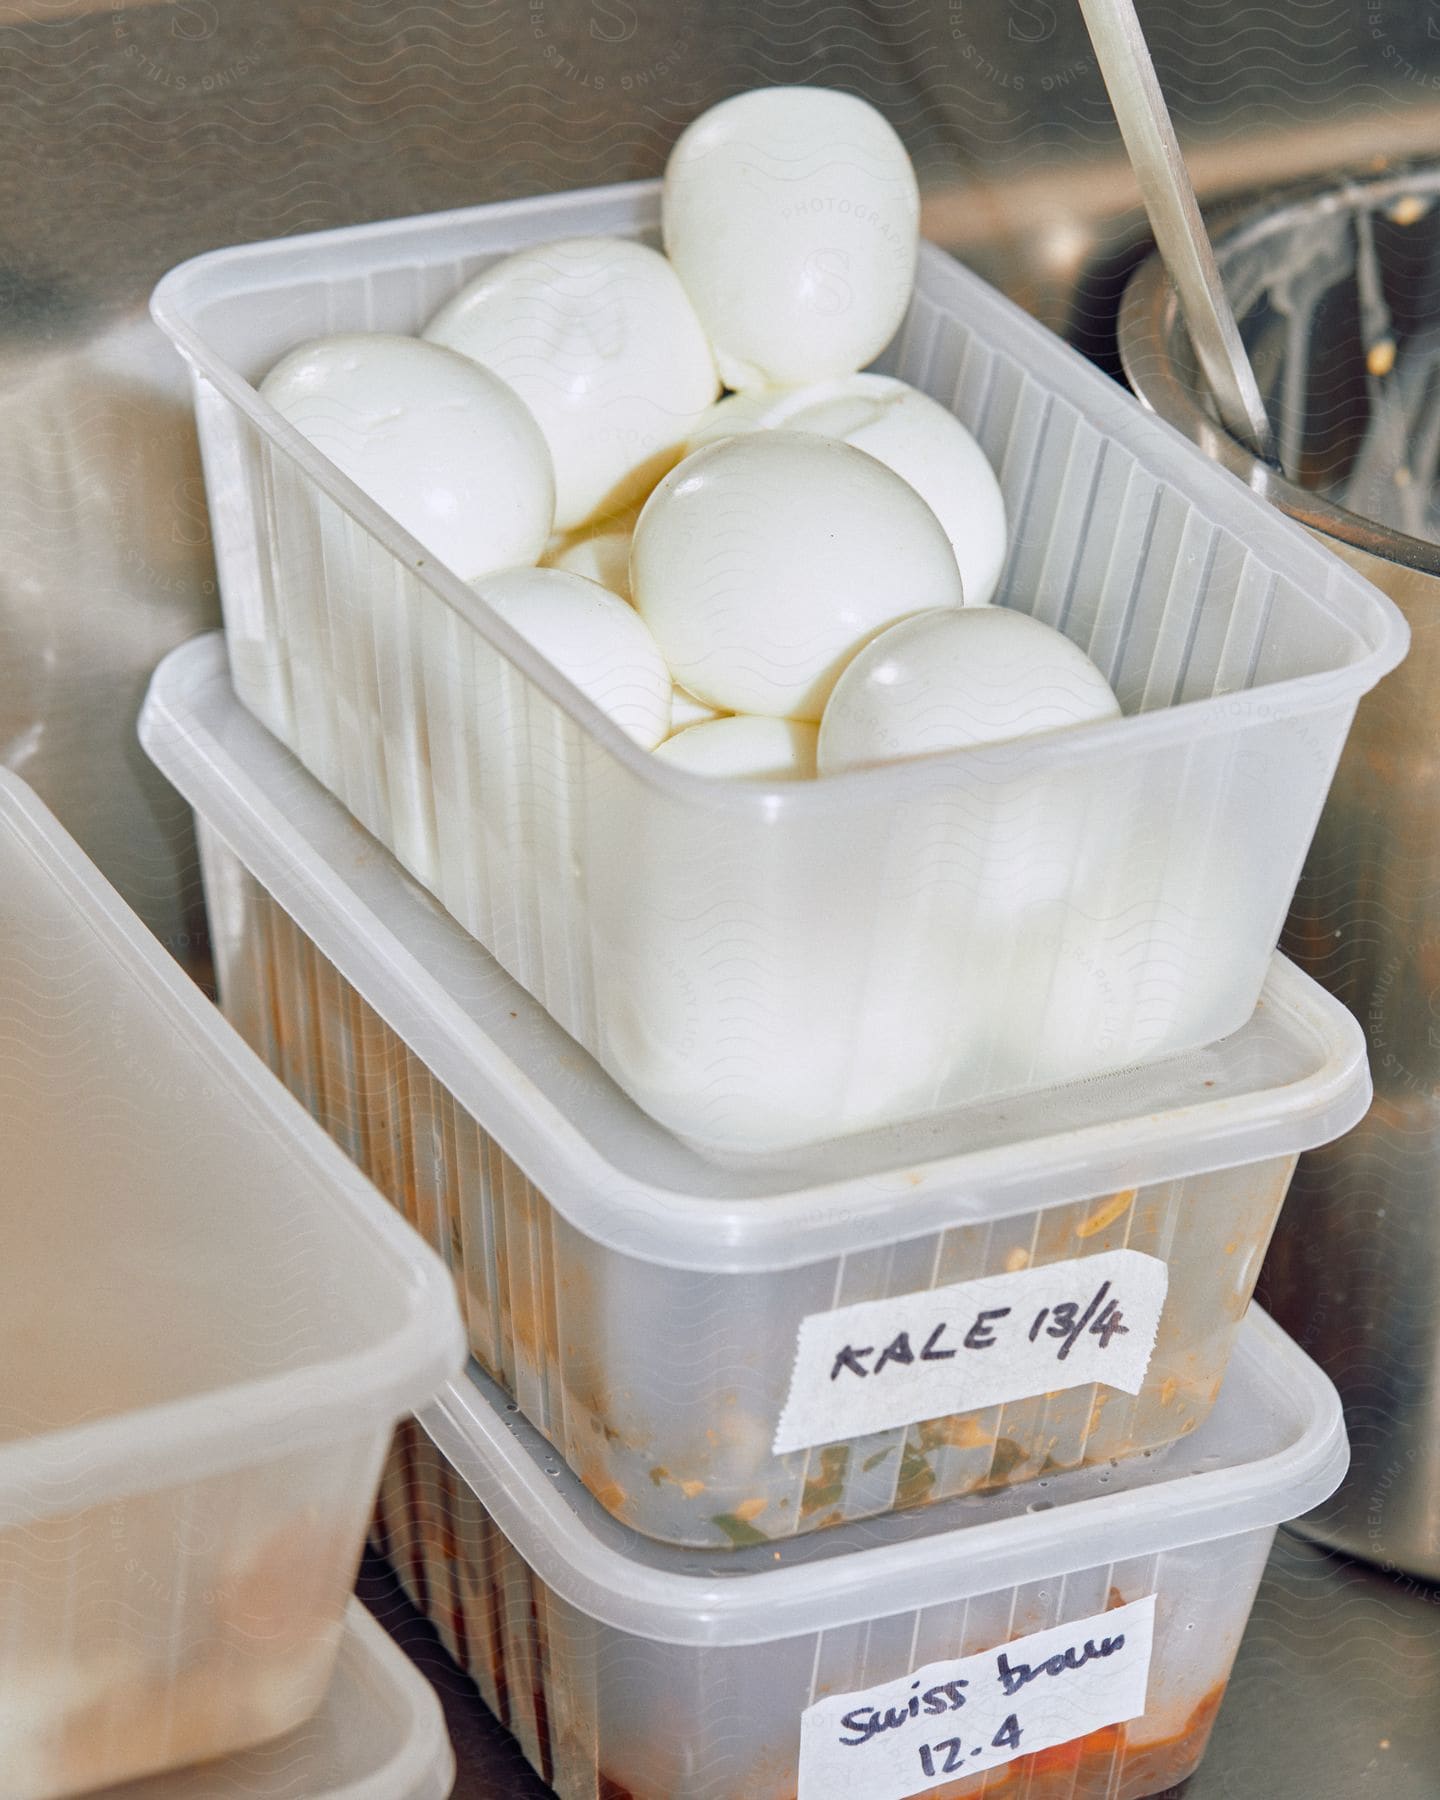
(1337, 286)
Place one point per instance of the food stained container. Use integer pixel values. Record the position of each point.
(1073, 1644)
(765, 968)
(379, 1735)
(209, 1326)
(729, 1357)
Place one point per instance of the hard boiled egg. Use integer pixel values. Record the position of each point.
(686, 710)
(791, 214)
(763, 563)
(735, 413)
(599, 550)
(593, 637)
(442, 444)
(598, 338)
(602, 556)
(948, 679)
(908, 432)
(745, 748)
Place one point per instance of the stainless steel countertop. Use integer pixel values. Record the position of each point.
(1335, 1695)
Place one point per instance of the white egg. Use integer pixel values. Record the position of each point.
(763, 563)
(686, 710)
(792, 216)
(949, 679)
(598, 338)
(593, 637)
(1122, 967)
(443, 445)
(688, 1006)
(735, 413)
(745, 748)
(908, 432)
(602, 556)
(1079, 995)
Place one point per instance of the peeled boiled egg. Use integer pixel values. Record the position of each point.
(602, 556)
(593, 637)
(763, 563)
(599, 340)
(792, 215)
(734, 413)
(686, 710)
(745, 748)
(445, 446)
(1121, 966)
(948, 679)
(908, 432)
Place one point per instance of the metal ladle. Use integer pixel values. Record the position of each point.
(1169, 196)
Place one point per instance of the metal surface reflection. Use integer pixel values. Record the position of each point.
(1354, 1272)
(106, 564)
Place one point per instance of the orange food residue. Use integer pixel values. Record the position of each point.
(1115, 1763)
(1107, 1213)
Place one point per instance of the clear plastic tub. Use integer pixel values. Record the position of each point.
(763, 969)
(645, 1307)
(209, 1325)
(629, 1671)
(379, 1735)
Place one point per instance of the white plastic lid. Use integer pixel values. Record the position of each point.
(1273, 1446)
(1294, 1076)
(380, 1735)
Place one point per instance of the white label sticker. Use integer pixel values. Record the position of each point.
(882, 1363)
(954, 1719)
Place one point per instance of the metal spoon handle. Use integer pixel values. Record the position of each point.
(1165, 187)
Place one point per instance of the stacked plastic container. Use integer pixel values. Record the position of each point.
(667, 1324)
(210, 1323)
(625, 1666)
(631, 1671)
(783, 974)
(889, 1391)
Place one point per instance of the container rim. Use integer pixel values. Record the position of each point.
(193, 1438)
(401, 951)
(422, 1767)
(1150, 327)
(418, 1762)
(1352, 603)
(625, 1581)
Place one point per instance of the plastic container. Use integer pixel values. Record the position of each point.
(630, 1671)
(379, 1735)
(764, 969)
(209, 1325)
(643, 1306)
